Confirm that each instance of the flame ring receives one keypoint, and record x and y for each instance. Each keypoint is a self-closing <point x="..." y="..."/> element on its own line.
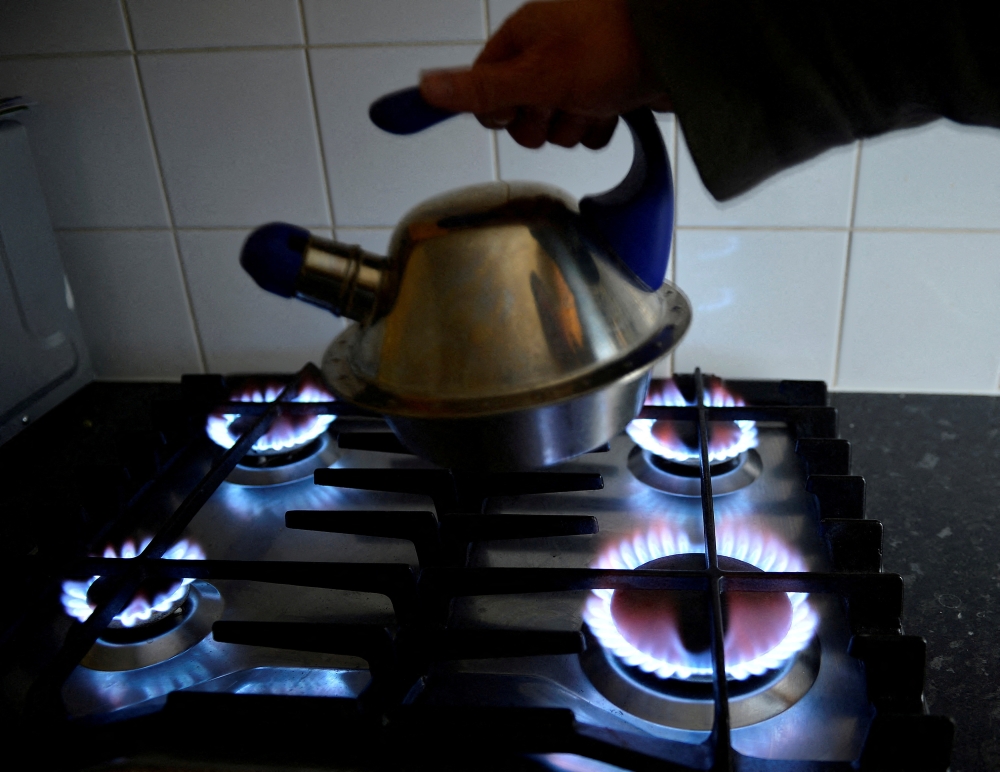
<point x="76" y="604"/>
<point x="641" y="429"/>
<point x="760" y="550"/>
<point x="218" y="424"/>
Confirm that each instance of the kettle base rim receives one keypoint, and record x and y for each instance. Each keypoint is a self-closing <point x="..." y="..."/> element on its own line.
<point x="349" y="387"/>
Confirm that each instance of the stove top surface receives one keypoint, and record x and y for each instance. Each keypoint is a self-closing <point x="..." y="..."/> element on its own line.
<point x="398" y="590"/>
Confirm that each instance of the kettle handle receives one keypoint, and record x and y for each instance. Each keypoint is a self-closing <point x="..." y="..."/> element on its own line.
<point x="635" y="218"/>
<point x="405" y="112"/>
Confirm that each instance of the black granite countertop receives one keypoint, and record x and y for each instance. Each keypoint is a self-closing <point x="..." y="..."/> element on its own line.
<point x="932" y="468"/>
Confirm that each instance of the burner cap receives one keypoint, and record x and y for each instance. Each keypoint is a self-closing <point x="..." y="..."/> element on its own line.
<point x="688" y="703"/>
<point x="683" y="478"/>
<point x="148" y="591"/>
<point x="674" y="625"/>
<point x="137" y="647"/>
<point x="290" y="466"/>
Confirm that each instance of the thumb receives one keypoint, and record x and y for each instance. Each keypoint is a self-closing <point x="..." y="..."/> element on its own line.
<point x="484" y="88"/>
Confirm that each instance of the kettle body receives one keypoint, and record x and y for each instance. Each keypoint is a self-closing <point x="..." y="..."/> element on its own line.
<point x="504" y="331"/>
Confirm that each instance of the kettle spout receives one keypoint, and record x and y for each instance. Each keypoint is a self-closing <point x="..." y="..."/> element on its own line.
<point x="342" y="278"/>
<point x="636" y="218"/>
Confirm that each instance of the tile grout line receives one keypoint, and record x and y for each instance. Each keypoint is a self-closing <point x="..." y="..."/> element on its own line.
<point x="205" y="228"/>
<point x="494" y="142"/>
<point x="847" y="265"/>
<point x="839" y="229"/>
<point x="319" y="132"/>
<point x="760" y="229"/>
<point x="495" y="154"/>
<point x="163" y="188"/>
<point x="911" y="390"/>
<point x="674" y="144"/>
<point x="229" y="49"/>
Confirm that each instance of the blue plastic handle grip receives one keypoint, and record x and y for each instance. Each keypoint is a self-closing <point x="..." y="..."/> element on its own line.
<point x="405" y="112"/>
<point x="637" y="217"/>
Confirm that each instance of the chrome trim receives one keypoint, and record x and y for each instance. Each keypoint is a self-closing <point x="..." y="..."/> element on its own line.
<point x="202" y="608"/>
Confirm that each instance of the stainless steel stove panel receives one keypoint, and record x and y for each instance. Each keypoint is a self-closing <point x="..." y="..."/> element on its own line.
<point x="243" y="523"/>
<point x="776" y="503"/>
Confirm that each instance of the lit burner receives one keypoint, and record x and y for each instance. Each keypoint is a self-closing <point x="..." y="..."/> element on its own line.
<point x="678" y="440"/>
<point x="666" y="631"/>
<point x="151" y="601"/>
<point x="287" y="431"/>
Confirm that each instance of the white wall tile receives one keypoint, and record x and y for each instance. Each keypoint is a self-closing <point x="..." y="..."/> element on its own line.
<point x="766" y="305"/>
<point x="500" y="10"/>
<point x="938" y="176"/>
<point x="237" y="137"/>
<point x="579" y="170"/>
<point x="393" y="21"/>
<point x="374" y="240"/>
<point x="814" y="194"/>
<point x="214" y="23"/>
<point x="244" y="328"/>
<point x="376" y="177"/>
<point x="130" y="298"/>
<point x="89" y="137"/>
<point x="922" y="313"/>
<point x="61" y="26"/>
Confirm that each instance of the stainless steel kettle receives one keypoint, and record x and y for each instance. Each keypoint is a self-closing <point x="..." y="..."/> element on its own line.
<point x="509" y="328"/>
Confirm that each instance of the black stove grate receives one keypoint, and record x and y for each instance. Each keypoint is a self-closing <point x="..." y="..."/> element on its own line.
<point x="380" y="728"/>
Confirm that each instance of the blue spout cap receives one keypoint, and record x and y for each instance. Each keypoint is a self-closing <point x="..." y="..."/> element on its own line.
<point x="273" y="256"/>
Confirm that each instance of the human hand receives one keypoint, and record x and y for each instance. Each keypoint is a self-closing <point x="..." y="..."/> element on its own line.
<point x="561" y="71"/>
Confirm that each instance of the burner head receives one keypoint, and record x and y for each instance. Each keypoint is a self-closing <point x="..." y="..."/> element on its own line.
<point x="287" y="433"/>
<point x="154" y="600"/>
<point x="666" y="632"/>
<point x="683" y="478"/>
<point x="159" y="639"/>
<point x="677" y="441"/>
<point x="674" y="626"/>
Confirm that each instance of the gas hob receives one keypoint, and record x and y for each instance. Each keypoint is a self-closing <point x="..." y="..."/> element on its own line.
<point x="703" y="593"/>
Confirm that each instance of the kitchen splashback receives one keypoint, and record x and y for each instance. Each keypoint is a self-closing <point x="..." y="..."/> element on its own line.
<point x="166" y="129"/>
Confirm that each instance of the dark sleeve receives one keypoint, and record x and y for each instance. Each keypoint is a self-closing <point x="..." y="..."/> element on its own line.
<point x="761" y="85"/>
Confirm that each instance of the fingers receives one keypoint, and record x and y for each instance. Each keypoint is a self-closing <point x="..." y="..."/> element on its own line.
<point x="484" y="89"/>
<point x="498" y="119"/>
<point x="505" y="44"/>
<point x="531" y="127"/>
<point x="516" y="34"/>
<point x="599" y="132"/>
<point x="567" y="130"/>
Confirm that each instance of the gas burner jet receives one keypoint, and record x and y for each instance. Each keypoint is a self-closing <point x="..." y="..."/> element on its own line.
<point x="667" y="455"/>
<point x="665" y="632"/>
<point x="288" y="432"/>
<point x="152" y="601"/>
<point x="165" y="617"/>
<point x="677" y="441"/>
<point x="295" y="444"/>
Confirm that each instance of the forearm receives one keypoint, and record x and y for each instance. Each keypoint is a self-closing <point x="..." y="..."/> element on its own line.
<point x="761" y="85"/>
